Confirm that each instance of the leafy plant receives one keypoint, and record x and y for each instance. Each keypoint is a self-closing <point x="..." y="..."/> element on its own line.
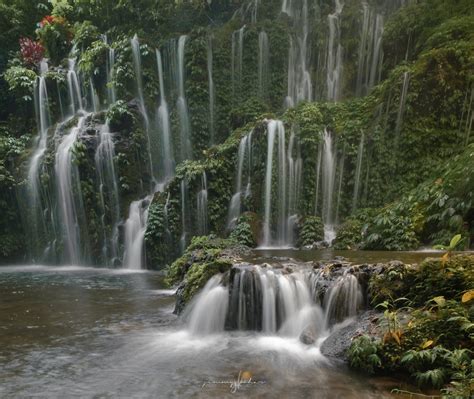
<point x="363" y="354"/>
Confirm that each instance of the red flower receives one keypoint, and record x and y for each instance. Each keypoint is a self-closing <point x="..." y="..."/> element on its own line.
<point x="31" y="52"/>
<point x="49" y="19"/>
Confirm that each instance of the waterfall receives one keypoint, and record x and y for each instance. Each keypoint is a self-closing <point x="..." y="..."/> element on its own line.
<point x="207" y="312"/>
<point x="108" y="194"/>
<point x="135" y="228"/>
<point x="237" y="60"/>
<point x="184" y="231"/>
<point x="137" y="65"/>
<point x="300" y="87"/>
<point x="182" y="105"/>
<point x="318" y="178"/>
<point x="212" y="92"/>
<point x="273" y="300"/>
<point x="341" y="179"/>
<point x="94" y="97"/>
<point x="334" y="54"/>
<point x="263" y="64"/>
<point x="235" y="203"/>
<point x="271" y="130"/>
<point x="370" y="50"/>
<point x="71" y="210"/>
<point x="110" y="66"/>
<point x="360" y="155"/>
<point x="289" y="167"/>
<point x="34" y="186"/>
<point x="402" y="104"/>
<point x="202" y="217"/>
<point x="344" y="299"/>
<point x="74" y="88"/>
<point x="328" y="171"/>
<point x="167" y="157"/>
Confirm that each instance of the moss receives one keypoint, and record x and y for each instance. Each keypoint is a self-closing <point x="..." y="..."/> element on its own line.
<point x="312" y="231"/>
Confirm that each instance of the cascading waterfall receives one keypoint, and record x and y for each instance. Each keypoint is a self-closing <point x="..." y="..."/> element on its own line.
<point x="300" y="87"/>
<point x="328" y="180"/>
<point x="69" y="200"/>
<point x="202" y="217"/>
<point x="212" y="91"/>
<point x="273" y="301"/>
<point x="167" y="157"/>
<point x="237" y="60"/>
<point x="263" y="64"/>
<point x="360" y="155"/>
<point x="289" y="167"/>
<point x="135" y="229"/>
<point x="94" y="97"/>
<point x="182" y="105"/>
<point x="370" y="50"/>
<point x="318" y="178"/>
<point x="108" y="194"/>
<point x="34" y="187"/>
<point x="334" y="54"/>
<point x="402" y="104"/>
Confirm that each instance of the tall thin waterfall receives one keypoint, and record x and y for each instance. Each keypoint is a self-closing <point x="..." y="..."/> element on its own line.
<point x="184" y="223"/>
<point x="341" y="179"/>
<point x="137" y="65"/>
<point x="212" y="91"/>
<point x="74" y="88"/>
<point x="318" y="178"/>
<point x="328" y="174"/>
<point x="94" y="97"/>
<point x="108" y="194"/>
<point x="370" y="50"/>
<point x="69" y="200"/>
<point x="273" y="301"/>
<point x="167" y="155"/>
<point x="183" y="112"/>
<point x="110" y="65"/>
<point x="402" y="104"/>
<point x="235" y="203"/>
<point x="300" y="87"/>
<point x="289" y="167"/>
<point x="202" y="218"/>
<point x="34" y="186"/>
<point x="237" y="60"/>
<point x="271" y="131"/>
<point x="334" y="54"/>
<point x="263" y="64"/>
<point x="358" y="171"/>
<point x="135" y="229"/>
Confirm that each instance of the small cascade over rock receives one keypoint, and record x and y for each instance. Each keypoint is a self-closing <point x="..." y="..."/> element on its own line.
<point x="288" y="300"/>
<point x="135" y="228"/>
<point x="328" y="180"/>
<point x="207" y="313"/>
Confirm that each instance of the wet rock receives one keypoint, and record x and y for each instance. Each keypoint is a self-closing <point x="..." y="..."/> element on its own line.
<point x="337" y="344"/>
<point x="309" y="335"/>
<point x="180" y="302"/>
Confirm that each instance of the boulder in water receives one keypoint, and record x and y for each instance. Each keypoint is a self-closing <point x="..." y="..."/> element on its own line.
<point x="309" y="335"/>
